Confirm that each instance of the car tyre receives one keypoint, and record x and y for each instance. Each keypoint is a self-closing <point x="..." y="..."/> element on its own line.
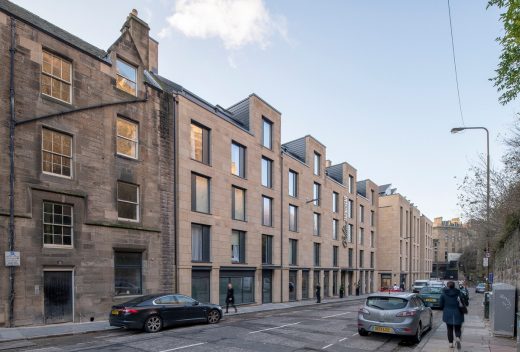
<point x="153" y="324"/>
<point x="362" y="332"/>
<point x="213" y="316"/>
<point x="418" y="334"/>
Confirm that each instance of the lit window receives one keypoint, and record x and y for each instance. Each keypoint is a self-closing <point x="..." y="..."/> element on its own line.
<point x="56" y="77"/>
<point x="56" y="153"/>
<point x="127" y="201"/>
<point x="126" y="77"/>
<point x="238" y="156"/>
<point x="127" y="138"/>
<point x="239" y="204"/>
<point x="200" y="193"/>
<point x="199" y="143"/>
<point x="57" y="224"/>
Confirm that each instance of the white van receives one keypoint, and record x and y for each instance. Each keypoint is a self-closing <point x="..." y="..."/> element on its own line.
<point x="418" y="284"/>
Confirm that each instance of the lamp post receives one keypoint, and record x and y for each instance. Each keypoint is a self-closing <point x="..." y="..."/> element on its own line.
<point x="457" y="130"/>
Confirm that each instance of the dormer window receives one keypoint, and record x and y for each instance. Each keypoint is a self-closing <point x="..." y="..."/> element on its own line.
<point x="126" y="77"/>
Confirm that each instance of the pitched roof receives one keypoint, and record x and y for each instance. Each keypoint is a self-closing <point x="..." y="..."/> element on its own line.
<point x="30" y="18"/>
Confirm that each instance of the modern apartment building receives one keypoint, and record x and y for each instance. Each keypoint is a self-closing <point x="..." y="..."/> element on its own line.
<point x="402" y="244"/>
<point x="449" y="238"/>
<point x="91" y="186"/>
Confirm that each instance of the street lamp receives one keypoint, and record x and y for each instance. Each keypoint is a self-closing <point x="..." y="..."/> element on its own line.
<point x="457" y="130"/>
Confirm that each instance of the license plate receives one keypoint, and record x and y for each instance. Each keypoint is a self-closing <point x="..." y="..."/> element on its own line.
<point x="430" y="300"/>
<point x="383" y="329"/>
<point x="115" y="312"/>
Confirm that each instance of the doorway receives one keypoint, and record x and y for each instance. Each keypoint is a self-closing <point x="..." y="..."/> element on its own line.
<point x="267" y="284"/>
<point x="58" y="296"/>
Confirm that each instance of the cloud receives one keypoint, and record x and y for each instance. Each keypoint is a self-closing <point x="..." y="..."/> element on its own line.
<point x="236" y="22"/>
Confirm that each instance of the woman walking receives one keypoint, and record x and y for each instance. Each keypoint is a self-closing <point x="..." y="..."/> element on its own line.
<point x="230" y="297"/>
<point x="453" y="317"/>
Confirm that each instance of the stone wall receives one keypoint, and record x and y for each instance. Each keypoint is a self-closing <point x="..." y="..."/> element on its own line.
<point x="507" y="262"/>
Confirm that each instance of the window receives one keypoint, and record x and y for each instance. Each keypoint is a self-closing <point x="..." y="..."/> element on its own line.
<point x="293" y="252"/>
<point x="127" y="201"/>
<point x="267" y="211"/>
<point x="361" y="236"/>
<point x="401" y="247"/>
<point x="316" y="224"/>
<point x="127" y="138"/>
<point x="238" y="160"/>
<point x="335" y="229"/>
<point x="199" y="137"/>
<point x="316" y="194"/>
<point x="200" y="243"/>
<point x="335" y="202"/>
<point x="57" y="224"/>
<point x="350" y="233"/>
<point x="267" y="249"/>
<point x="361" y="255"/>
<point x="128" y="273"/>
<point x="267" y="172"/>
<point x="126" y="77"/>
<point x="238" y="246"/>
<point x="361" y="213"/>
<point x="293" y="183"/>
<point x="350" y="257"/>
<point x="335" y="255"/>
<point x="401" y="221"/>
<point x="372" y="218"/>
<point x="293" y="218"/>
<point x="267" y="133"/>
<point x="56" y="153"/>
<point x="372" y="260"/>
<point x="317" y="254"/>
<point x="239" y="204"/>
<point x="317" y="162"/>
<point x="372" y="197"/>
<point x="372" y="239"/>
<point x="350" y="209"/>
<point x="200" y="193"/>
<point x="56" y="77"/>
<point x="350" y="184"/>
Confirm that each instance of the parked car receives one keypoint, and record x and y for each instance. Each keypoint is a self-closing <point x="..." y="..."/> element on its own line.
<point x="465" y="293"/>
<point x="481" y="288"/>
<point x="395" y="313"/>
<point x="418" y="284"/>
<point x="154" y="312"/>
<point x="431" y="296"/>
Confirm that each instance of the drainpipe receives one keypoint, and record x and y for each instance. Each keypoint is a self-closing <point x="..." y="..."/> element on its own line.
<point x="175" y="101"/>
<point x="281" y="225"/>
<point x="12" y="122"/>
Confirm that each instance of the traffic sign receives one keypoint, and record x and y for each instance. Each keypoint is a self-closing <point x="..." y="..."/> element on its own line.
<point x="488" y="255"/>
<point x="485" y="262"/>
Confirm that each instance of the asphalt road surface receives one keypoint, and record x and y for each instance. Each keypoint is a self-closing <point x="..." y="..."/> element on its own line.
<point x="327" y="327"/>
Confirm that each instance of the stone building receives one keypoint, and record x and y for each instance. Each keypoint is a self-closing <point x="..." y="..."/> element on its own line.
<point x="450" y="237"/>
<point x="92" y="186"/>
<point x="403" y="240"/>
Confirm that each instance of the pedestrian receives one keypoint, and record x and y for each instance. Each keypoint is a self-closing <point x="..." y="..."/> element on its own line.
<point x="318" y="293"/>
<point x="402" y="286"/>
<point x="395" y="288"/>
<point x="451" y="303"/>
<point x="230" y="297"/>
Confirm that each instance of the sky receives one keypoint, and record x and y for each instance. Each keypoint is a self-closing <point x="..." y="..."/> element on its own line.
<point x="373" y="80"/>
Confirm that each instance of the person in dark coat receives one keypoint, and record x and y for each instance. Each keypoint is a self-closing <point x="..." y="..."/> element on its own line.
<point x="318" y="293"/>
<point x="451" y="314"/>
<point x="230" y="297"/>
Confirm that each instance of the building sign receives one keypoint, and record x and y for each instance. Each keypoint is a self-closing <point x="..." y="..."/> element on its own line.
<point x="485" y="262"/>
<point x="454" y="257"/>
<point x="344" y="238"/>
<point x="12" y="258"/>
<point x="345" y="209"/>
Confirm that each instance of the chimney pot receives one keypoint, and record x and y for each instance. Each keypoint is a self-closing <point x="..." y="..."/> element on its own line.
<point x="134" y="12"/>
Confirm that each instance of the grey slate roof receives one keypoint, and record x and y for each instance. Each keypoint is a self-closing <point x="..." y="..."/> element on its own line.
<point x="296" y="148"/>
<point x="28" y="17"/>
<point x="362" y="188"/>
<point x="336" y="172"/>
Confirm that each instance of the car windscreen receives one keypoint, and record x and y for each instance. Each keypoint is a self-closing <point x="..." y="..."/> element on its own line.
<point x="386" y="303"/>
<point x="433" y="290"/>
<point x="420" y="283"/>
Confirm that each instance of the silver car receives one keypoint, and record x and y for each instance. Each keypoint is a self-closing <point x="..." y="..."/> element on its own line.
<point x="395" y="313"/>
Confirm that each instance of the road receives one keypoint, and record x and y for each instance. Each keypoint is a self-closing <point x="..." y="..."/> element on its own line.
<point x="327" y="327"/>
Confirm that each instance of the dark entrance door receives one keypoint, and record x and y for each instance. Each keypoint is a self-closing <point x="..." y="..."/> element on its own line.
<point x="305" y="284"/>
<point x="267" y="283"/>
<point x="350" y="282"/>
<point x="325" y="292"/>
<point x="57" y="287"/>
<point x="292" y="285"/>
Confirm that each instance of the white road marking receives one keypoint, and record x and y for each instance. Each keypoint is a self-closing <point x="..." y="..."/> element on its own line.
<point x="335" y="315"/>
<point x="276" y="327"/>
<point x="343" y="339"/>
<point x="356" y="334"/>
<point x="182" y="347"/>
<point x="327" y="346"/>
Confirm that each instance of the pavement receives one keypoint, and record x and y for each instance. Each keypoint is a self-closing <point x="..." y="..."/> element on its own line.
<point x="54" y="330"/>
<point x="476" y="334"/>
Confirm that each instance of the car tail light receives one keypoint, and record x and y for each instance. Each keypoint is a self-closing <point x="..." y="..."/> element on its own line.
<point x="129" y="311"/>
<point x="407" y="313"/>
<point x="364" y="311"/>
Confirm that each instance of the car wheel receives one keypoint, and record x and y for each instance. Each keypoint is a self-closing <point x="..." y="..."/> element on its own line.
<point x="418" y="334"/>
<point x="362" y="332"/>
<point x="153" y="324"/>
<point x="213" y="316"/>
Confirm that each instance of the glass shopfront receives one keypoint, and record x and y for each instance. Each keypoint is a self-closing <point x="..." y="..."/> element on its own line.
<point x="243" y="282"/>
